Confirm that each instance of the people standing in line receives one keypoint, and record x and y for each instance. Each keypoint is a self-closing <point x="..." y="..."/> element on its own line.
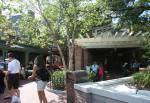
<point x="13" y="74"/>
<point x="40" y="74"/>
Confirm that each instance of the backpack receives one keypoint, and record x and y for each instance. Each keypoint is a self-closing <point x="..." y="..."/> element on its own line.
<point x="43" y="74"/>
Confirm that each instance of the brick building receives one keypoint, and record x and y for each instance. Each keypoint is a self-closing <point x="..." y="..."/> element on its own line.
<point x="111" y="51"/>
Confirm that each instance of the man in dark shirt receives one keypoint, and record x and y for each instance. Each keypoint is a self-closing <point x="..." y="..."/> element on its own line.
<point x="2" y="84"/>
<point x="125" y="68"/>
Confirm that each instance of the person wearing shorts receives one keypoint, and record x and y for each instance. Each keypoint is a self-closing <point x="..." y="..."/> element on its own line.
<point x="39" y="65"/>
<point x="13" y="74"/>
<point x="41" y="85"/>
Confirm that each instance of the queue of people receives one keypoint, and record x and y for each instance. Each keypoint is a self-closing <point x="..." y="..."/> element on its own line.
<point x="130" y="67"/>
<point x="98" y="70"/>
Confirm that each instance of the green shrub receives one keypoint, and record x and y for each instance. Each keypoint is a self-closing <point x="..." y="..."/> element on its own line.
<point x="58" y="80"/>
<point x="141" y="80"/>
<point x="92" y="76"/>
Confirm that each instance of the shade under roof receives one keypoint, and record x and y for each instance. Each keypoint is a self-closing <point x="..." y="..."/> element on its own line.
<point x="111" y="42"/>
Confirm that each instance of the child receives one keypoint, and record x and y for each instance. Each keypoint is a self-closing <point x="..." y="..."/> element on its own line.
<point x="2" y="84"/>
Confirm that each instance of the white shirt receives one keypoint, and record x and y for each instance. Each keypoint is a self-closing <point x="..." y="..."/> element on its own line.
<point x="88" y="68"/>
<point x="14" y="66"/>
<point x="95" y="68"/>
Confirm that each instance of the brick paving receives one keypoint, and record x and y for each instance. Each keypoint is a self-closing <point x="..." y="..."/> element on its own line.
<point x="28" y="94"/>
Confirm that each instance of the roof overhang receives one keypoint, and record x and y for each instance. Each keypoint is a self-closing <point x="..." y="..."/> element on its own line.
<point x="111" y="42"/>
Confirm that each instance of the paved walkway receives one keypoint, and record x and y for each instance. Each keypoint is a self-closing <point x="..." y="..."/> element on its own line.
<point x="28" y="94"/>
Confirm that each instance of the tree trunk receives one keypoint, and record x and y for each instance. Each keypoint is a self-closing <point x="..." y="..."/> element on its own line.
<point x="71" y="53"/>
<point x="62" y="56"/>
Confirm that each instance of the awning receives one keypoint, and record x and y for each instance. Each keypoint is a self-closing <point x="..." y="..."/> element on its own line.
<point x="111" y="42"/>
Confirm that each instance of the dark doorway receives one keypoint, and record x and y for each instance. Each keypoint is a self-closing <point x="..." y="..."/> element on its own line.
<point x="112" y="58"/>
<point x="32" y="56"/>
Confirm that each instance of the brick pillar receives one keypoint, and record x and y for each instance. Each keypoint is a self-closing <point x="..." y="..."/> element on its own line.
<point x="86" y="57"/>
<point x="82" y="97"/>
<point x="73" y="77"/>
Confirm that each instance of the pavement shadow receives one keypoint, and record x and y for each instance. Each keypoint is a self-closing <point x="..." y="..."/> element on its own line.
<point x="54" y="101"/>
<point x="23" y="82"/>
<point x="62" y="96"/>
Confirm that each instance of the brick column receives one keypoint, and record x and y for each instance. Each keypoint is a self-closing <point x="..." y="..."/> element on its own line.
<point x="86" y="57"/>
<point x="73" y="77"/>
<point x="82" y="97"/>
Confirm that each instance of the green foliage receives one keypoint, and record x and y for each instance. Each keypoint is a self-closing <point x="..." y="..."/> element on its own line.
<point x="6" y="30"/>
<point x="94" y="15"/>
<point x="59" y="19"/>
<point x="141" y="80"/>
<point x="146" y="48"/>
<point x="33" y="32"/>
<point x="129" y="14"/>
<point x="58" y="79"/>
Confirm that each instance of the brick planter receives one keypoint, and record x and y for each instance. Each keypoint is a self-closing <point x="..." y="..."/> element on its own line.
<point x="72" y="78"/>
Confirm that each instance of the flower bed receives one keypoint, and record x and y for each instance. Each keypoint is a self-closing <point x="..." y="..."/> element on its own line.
<point x="141" y="80"/>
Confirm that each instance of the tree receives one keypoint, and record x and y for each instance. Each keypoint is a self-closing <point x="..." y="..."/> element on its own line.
<point x="130" y="13"/>
<point x="62" y="18"/>
<point x="72" y="20"/>
<point x="61" y="21"/>
<point x="6" y="30"/>
<point x="32" y="31"/>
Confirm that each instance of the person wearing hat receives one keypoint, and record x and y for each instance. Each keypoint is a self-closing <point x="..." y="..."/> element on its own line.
<point x="13" y="74"/>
